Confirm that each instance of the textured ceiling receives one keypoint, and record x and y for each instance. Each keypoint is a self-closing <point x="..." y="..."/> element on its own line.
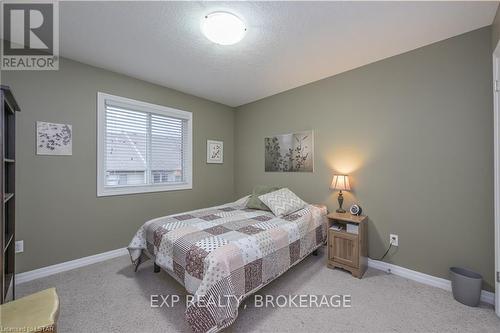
<point x="288" y="44"/>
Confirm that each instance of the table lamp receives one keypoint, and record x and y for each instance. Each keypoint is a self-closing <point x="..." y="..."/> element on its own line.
<point x="340" y="183"/>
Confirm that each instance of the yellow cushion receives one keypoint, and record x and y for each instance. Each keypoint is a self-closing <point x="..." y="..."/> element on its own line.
<point x="34" y="313"/>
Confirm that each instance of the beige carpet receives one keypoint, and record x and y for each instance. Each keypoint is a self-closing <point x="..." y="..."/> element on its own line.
<point x="110" y="297"/>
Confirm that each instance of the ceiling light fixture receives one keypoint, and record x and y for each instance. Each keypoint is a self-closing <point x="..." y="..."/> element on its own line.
<point x="223" y="28"/>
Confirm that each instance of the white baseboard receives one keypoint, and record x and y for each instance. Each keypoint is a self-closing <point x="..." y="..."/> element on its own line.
<point x="68" y="265"/>
<point x="486" y="296"/>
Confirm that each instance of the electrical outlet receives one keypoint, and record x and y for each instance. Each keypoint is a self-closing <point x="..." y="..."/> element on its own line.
<point x="394" y="240"/>
<point x="19" y="246"/>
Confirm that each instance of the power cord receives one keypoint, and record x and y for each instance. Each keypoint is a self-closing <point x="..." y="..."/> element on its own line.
<point x="382" y="258"/>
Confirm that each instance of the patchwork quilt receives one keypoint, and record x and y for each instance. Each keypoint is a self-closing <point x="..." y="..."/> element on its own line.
<point x="223" y="254"/>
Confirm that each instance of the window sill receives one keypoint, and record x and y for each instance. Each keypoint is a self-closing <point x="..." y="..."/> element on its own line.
<point x="110" y="191"/>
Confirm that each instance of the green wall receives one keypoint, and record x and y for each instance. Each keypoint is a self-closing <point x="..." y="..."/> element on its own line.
<point x="495" y="30"/>
<point x="415" y="132"/>
<point x="59" y="216"/>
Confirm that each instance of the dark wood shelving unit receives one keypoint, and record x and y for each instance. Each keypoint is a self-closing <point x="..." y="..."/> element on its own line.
<point x="9" y="107"/>
<point x="7" y="197"/>
<point x="9" y="239"/>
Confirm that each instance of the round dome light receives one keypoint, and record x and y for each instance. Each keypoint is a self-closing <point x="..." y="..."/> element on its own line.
<point x="223" y="28"/>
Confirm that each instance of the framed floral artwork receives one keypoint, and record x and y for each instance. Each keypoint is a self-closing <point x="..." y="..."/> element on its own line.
<point x="215" y="151"/>
<point x="54" y="139"/>
<point x="292" y="152"/>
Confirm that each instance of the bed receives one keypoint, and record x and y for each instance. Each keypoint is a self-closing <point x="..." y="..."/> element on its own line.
<point x="227" y="253"/>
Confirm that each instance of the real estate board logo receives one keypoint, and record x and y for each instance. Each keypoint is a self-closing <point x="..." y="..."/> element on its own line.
<point x="30" y="35"/>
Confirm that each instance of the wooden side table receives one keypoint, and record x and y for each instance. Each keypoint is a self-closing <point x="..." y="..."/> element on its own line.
<point x="348" y="250"/>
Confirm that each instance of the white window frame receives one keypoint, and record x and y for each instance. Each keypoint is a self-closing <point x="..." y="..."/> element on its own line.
<point x="103" y="190"/>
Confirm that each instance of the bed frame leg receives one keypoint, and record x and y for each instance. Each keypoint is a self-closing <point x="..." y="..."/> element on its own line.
<point x="137" y="264"/>
<point x="315" y="252"/>
<point x="156" y="268"/>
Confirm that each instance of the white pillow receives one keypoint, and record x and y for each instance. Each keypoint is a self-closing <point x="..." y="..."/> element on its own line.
<point x="282" y="202"/>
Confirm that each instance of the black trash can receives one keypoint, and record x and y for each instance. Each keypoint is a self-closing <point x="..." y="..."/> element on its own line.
<point x="466" y="286"/>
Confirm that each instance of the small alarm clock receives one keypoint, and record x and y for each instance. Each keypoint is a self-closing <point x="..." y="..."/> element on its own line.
<point x="355" y="209"/>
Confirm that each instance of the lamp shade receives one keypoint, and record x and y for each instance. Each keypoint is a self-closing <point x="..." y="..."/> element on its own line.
<point x="340" y="183"/>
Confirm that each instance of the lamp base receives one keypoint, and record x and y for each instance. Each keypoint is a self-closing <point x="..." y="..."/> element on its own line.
<point x="341" y="201"/>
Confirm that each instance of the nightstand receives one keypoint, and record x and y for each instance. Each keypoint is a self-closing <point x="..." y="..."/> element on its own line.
<point x="348" y="247"/>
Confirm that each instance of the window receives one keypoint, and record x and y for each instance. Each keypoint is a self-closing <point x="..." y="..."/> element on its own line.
<point x="142" y="147"/>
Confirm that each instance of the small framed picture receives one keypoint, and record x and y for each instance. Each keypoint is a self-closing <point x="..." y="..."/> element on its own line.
<point x="54" y="139"/>
<point x="215" y="151"/>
